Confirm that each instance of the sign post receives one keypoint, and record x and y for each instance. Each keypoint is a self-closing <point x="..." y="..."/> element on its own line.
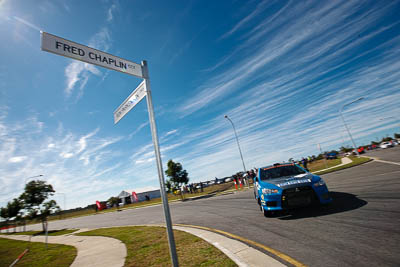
<point x="66" y="48"/>
<point x="171" y="240"/>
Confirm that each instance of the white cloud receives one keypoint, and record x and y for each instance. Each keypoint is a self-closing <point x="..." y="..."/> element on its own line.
<point x="78" y="72"/>
<point x="66" y="155"/>
<point x="27" y="23"/>
<point x="17" y="159"/>
<point x="171" y="132"/>
<point x="110" y="12"/>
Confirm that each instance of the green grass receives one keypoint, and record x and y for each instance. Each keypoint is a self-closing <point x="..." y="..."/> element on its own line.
<point x="355" y="161"/>
<point x="320" y="164"/>
<point x="38" y="255"/>
<point x="50" y="233"/>
<point x="148" y="246"/>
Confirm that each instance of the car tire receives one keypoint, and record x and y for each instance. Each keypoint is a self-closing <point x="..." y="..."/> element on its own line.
<point x="266" y="213"/>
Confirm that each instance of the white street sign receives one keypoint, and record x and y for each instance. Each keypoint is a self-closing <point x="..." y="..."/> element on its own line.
<point x="130" y="102"/>
<point x="63" y="47"/>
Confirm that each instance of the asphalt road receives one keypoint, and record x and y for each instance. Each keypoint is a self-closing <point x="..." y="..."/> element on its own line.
<point x="360" y="228"/>
<point x="390" y="154"/>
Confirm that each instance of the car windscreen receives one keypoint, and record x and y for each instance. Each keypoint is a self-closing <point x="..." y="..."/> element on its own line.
<point x="280" y="171"/>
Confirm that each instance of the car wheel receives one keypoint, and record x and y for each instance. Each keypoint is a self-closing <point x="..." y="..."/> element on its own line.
<point x="267" y="213"/>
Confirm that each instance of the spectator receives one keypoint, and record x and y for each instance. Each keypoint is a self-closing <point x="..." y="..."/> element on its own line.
<point x="304" y="161"/>
<point x="252" y="175"/>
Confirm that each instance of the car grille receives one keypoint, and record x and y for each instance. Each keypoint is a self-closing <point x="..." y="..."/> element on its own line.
<point x="297" y="197"/>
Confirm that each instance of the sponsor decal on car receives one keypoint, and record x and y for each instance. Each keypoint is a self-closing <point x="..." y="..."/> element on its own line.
<point x="298" y="181"/>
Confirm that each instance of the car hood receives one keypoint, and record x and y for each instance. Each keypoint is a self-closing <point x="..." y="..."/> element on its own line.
<point x="291" y="181"/>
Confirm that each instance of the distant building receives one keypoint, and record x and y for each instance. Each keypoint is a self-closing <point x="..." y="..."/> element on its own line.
<point x="127" y="196"/>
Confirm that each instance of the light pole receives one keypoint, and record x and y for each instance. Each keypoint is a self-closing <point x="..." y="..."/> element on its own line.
<point x="345" y="125"/>
<point x="240" y="151"/>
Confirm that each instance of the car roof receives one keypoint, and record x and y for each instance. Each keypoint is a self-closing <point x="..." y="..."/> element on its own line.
<point x="275" y="165"/>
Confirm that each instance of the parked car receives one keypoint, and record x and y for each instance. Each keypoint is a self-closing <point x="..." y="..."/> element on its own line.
<point x="287" y="185"/>
<point x="331" y="155"/>
<point x="361" y="150"/>
<point x="385" y="145"/>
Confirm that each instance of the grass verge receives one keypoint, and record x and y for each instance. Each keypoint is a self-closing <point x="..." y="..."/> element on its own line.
<point x="320" y="164"/>
<point x="56" y="254"/>
<point x="355" y="161"/>
<point x="148" y="246"/>
<point x="50" y="233"/>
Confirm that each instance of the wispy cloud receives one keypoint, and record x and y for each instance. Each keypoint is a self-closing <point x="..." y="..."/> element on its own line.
<point x="110" y="11"/>
<point x="27" y="23"/>
<point x="78" y="73"/>
<point x="71" y="162"/>
<point x="290" y="80"/>
<point x="258" y="9"/>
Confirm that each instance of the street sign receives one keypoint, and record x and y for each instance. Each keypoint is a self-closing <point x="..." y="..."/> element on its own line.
<point x="63" y="47"/>
<point x="66" y="48"/>
<point x="130" y="102"/>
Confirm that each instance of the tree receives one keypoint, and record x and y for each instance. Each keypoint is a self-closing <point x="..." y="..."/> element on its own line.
<point x="177" y="175"/>
<point x="4" y="215"/>
<point x="13" y="208"/>
<point x="33" y="198"/>
<point x="168" y="184"/>
<point x="386" y="139"/>
<point x="346" y="149"/>
<point x="396" y="135"/>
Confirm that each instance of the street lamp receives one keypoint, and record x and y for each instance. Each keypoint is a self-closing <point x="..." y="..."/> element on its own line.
<point x="345" y="125"/>
<point x="240" y="151"/>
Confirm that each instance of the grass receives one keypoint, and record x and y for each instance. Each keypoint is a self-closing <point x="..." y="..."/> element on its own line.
<point x="148" y="246"/>
<point x="50" y="233"/>
<point x="320" y="164"/>
<point x="38" y="255"/>
<point x="355" y="161"/>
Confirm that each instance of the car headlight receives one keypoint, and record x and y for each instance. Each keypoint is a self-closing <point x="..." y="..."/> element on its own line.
<point x="268" y="191"/>
<point x="319" y="183"/>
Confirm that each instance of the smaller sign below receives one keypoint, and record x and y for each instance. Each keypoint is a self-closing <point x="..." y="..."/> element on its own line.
<point x="130" y="102"/>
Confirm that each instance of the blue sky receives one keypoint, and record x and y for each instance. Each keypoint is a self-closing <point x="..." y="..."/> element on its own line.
<point x="280" y="70"/>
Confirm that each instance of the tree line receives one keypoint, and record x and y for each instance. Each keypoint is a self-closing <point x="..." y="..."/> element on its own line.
<point x="31" y="204"/>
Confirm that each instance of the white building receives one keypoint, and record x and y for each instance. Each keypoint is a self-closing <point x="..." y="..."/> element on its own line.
<point x="127" y="196"/>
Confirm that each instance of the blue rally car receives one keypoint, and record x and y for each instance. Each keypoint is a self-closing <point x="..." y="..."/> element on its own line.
<point x="287" y="185"/>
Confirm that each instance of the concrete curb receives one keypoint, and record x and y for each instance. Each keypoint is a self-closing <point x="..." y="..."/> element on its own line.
<point x="242" y="254"/>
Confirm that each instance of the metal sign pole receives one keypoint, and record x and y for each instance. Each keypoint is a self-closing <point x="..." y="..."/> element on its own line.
<point x="170" y="233"/>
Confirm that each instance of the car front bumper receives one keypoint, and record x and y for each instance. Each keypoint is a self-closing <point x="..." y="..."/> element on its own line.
<point x="296" y="197"/>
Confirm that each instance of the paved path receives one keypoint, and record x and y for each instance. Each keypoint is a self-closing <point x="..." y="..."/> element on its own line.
<point x="345" y="161"/>
<point x="92" y="250"/>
